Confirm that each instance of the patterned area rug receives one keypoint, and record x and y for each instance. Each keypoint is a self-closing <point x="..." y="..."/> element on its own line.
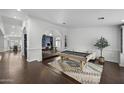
<point x="90" y="74"/>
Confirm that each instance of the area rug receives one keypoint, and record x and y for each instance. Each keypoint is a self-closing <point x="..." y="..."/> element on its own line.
<point x="90" y="74"/>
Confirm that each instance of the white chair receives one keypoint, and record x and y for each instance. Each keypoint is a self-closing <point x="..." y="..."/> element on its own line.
<point x="91" y="56"/>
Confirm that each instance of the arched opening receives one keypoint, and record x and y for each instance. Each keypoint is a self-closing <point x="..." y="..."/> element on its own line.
<point x="58" y="42"/>
<point x="51" y="44"/>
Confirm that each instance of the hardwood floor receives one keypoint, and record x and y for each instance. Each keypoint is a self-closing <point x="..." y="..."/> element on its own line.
<point x="111" y="73"/>
<point x="14" y="69"/>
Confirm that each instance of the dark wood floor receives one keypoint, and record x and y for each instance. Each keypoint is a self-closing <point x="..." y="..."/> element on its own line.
<point x="14" y="69"/>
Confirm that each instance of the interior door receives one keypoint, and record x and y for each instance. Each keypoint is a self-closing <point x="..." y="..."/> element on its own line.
<point x="25" y="45"/>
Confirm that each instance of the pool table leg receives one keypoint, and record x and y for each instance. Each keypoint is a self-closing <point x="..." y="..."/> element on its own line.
<point x="81" y="65"/>
<point x="62" y="58"/>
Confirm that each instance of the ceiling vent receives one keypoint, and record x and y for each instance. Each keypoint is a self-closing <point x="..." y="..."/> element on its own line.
<point x="64" y="23"/>
<point x="101" y="18"/>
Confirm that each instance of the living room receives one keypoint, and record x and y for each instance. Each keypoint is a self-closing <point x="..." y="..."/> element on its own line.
<point x="73" y="30"/>
<point x="68" y="42"/>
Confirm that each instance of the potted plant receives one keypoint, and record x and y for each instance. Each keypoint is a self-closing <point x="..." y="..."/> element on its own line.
<point x="101" y="44"/>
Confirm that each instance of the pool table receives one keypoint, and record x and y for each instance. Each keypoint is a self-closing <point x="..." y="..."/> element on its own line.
<point x="75" y="56"/>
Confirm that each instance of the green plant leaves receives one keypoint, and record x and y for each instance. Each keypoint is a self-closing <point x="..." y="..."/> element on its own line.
<point x="102" y="43"/>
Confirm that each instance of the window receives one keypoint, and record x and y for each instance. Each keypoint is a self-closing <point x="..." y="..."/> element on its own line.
<point x="58" y="42"/>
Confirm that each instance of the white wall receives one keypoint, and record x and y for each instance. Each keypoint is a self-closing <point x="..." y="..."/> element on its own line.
<point x="1" y="25"/>
<point x="83" y="39"/>
<point x="1" y="35"/>
<point x="35" y="29"/>
<point x="1" y="42"/>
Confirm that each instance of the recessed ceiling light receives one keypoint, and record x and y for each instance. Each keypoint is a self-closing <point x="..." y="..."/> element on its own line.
<point x="15" y="17"/>
<point x="13" y="26"/>
<point x="122" y="20"/>
<point x="50" y="34"/>
<point x="18" y="9"/>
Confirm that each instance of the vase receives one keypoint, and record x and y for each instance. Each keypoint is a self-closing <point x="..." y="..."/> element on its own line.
<point x="101" y="59"/>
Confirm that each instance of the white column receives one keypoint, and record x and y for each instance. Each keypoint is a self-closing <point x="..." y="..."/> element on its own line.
<point x="34" y="42"/>
<point x="34" y="49"/>
<point x="6" y="45"/>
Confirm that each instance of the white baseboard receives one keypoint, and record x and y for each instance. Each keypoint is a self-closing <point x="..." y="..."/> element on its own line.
<point x="34" y="54"/>
<point x="3" y="51"/>
<point x="121" y="65"/>
<point x="31" y="60"/>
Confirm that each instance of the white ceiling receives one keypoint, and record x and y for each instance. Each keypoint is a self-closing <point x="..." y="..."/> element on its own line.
<point x="12" y="29"/>
<point x="11" y="21"/>
<point x="79" y="17"/>
<point x="72" y="17"/>
<point x="12" y="13"/>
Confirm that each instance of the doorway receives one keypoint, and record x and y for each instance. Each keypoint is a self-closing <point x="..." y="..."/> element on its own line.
<point x="25" y="46"/>
<point x="48" y="47"/>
